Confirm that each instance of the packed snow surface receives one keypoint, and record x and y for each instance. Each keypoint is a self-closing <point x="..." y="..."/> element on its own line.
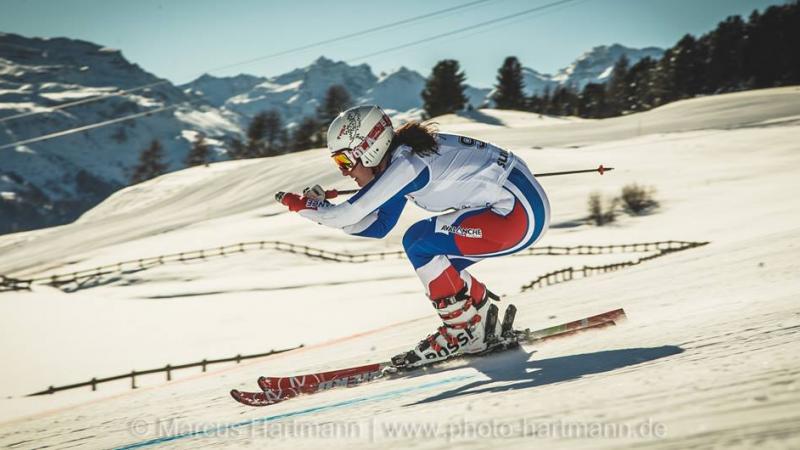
<point x="707" y="357"/>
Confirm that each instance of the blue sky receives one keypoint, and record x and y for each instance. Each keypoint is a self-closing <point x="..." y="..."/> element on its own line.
<point x="182" y="39"/>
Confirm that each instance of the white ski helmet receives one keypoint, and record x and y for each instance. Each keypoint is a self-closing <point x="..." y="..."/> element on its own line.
<point x="365" y="131"/>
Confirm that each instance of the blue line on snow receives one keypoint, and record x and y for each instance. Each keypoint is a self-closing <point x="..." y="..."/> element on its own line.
<point x="303" y="412"/>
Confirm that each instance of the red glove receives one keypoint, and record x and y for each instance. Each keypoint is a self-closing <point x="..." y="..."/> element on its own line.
<point x="295" y="202"/>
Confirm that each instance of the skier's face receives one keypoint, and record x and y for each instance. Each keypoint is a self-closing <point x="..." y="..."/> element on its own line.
<point x="362" y="175"/>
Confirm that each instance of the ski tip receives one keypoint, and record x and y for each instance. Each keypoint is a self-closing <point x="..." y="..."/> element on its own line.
<point x="236" y="395"/>
<point x="264" y="384"/>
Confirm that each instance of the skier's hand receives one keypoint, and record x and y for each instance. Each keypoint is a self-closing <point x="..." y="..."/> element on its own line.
<point x="318" y="193"/>
<point x="295" y="202"/>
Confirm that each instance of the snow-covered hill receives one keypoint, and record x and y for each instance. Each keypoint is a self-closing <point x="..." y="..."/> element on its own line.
<point x="708" y="355"/>
<point x="53" y="181"/>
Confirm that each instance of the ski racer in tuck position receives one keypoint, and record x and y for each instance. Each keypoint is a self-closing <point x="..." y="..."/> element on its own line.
<point x="497" y="208"/>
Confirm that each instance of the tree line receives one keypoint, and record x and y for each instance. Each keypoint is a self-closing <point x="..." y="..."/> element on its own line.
<point x="737" y="55"/>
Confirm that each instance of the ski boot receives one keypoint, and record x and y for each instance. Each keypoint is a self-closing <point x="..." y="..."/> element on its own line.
<point x="469" y="328"/>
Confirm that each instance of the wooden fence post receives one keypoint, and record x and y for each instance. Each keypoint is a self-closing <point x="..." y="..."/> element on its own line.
<point x="94" y="384"/>
<point x="133" y="379"/>
<point x="203" y="363"/>
<point x="169" y="372"/>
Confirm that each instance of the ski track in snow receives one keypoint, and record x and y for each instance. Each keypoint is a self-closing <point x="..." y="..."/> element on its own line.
<point x="707" y="357"/>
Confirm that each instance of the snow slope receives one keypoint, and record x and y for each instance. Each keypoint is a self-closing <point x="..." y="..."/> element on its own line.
<point x="707" y="357"/>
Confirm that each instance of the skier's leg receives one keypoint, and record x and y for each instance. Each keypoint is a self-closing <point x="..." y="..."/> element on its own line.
<point x="442" y="247"/>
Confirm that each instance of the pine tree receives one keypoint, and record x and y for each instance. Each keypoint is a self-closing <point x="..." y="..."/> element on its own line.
<point x="535" y="104"/>
<point x="336" y="100"/>
<point x="663" y="89"/>
<point x="444" y="89"/>
<point x="237" y="149"/>
<point x="509" y="89"/>
<point x="151" y="163"/>
<point x="771" y="57"/>
<point x="266" y="136"/>
<point x="725" y="71"/>
<point x="703" y="52"/>
<point x="199" y="153"/>
<point x="592" y="101"/>
<point x="686" y="67"/>
<point x="617" y="89"/>
<point x="256" y="132"/>
<point x="564" y="102"/>
<point x="305" y="135"/>
<point x="544" y="101"/>
<point x="640" y="86"/>
<point x="274" y="134"/>
<point x="757" y="51"/>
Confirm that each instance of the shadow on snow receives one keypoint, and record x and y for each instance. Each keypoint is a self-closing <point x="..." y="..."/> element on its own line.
<point x="516" y="367"/>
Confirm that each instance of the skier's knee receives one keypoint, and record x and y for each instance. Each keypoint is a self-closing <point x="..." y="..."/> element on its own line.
<point x="414" y="234"/>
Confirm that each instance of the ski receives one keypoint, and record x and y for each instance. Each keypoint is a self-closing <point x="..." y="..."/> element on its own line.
<point x="277" y="389"/>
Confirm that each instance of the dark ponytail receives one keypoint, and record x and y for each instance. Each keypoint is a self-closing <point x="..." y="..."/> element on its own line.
<point x="421" y="137"/>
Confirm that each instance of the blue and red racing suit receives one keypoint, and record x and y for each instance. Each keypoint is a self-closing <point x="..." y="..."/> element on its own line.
<point x="500" y="209"/>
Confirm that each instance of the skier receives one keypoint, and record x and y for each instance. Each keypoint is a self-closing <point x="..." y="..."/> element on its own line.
<point x="496" y="208"/>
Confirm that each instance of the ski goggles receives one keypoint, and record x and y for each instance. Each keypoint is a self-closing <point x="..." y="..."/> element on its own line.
<point x="344" y="159"/>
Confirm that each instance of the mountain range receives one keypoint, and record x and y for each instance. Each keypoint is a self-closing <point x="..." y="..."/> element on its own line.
<point x="298" y="93"/>
<point x="53" y="181"/>
<point x="594" y="66"/>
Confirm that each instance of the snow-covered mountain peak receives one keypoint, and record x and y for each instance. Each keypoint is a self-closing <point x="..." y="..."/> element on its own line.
<point x="55" y="180"/>
<point x="397" y="91"/>
<point x="402" y="72"/>
<point x="594" y="66"/>
<point x="217" y="90"/>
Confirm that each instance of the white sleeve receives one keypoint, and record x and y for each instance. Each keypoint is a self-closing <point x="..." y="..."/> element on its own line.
<point x="401" y="177"/>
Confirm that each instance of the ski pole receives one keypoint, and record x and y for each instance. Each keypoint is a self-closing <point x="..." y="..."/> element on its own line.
<point x="601" y="170"/>
<point x="333" y="193"/>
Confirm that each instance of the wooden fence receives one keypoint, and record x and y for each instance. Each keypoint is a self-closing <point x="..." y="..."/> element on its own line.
<point x="570" y="273"/>
<point x="660" y="248"/>
<point x="8" y="283"/>
<point x="168" y="369"/>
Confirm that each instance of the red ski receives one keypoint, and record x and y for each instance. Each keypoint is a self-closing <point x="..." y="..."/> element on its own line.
<point x="278" y="389"/>
<point x="335" y="378"/>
